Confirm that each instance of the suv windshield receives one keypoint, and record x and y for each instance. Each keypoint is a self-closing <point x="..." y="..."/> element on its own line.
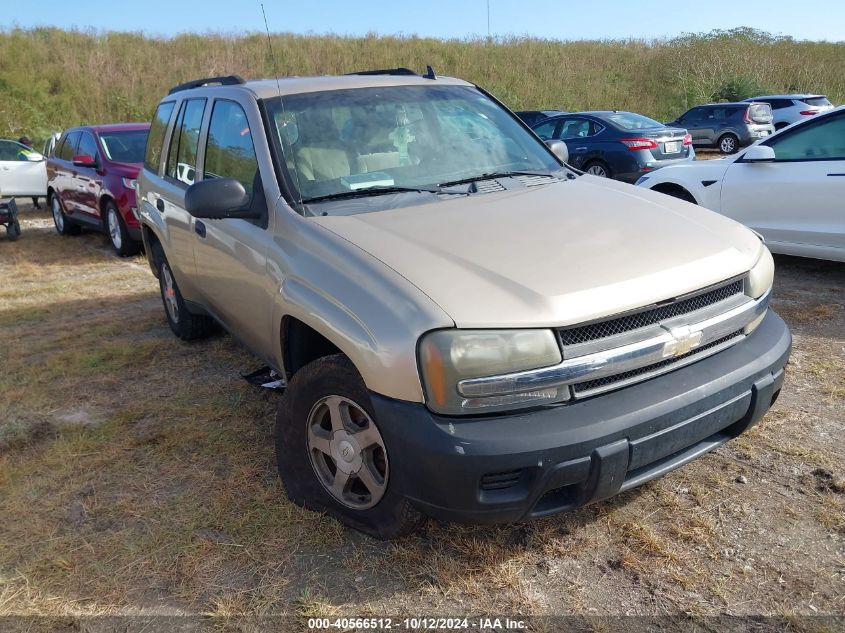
<point x="124" y="147"/>
<point x="398" y="137"/>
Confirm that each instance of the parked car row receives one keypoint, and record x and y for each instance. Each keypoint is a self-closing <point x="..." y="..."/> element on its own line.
<point x="88" y="177"/>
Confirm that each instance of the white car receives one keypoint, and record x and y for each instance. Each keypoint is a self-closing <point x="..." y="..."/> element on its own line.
<point x="21" y="177"/>
<point x="789" y="187"/>
<point x="788" y="109"/>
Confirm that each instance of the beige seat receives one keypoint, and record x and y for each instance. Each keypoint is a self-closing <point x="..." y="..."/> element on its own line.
<point x="378" y="161"/>
<point x="322" y="163"/>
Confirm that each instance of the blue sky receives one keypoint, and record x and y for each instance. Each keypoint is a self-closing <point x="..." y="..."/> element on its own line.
<point x="560" y="19"/>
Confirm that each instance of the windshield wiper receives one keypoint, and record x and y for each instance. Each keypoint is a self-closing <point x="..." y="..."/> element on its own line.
<point x="498" y="174"/>
<point x="364" y="192"/>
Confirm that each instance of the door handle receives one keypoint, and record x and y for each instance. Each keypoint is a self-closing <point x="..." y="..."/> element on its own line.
<point x="580" y="149"/>
<point x="199" y="228"/>
<point x="160" y="204"/>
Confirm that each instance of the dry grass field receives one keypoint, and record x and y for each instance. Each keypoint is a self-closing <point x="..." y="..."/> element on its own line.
<point x="138" y="477"/>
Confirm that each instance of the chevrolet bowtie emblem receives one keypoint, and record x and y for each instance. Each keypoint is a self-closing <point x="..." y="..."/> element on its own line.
<point x="684" y="341"/>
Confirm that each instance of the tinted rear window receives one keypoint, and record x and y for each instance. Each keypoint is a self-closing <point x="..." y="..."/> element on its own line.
<point x="152" y="158"/>
<point x="632" y="121"/>
<point x="760" y="113"/>
<point x="819" y="102"/>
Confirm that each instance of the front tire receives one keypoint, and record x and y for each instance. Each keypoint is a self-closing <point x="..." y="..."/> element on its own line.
<point x="331" y="454"/>
<point x="63" y="225"/>
<point x="598" y="168"/>
<point x="185" y="325"/>
<point x="728" y="144"/>
<point x="13" y="230"/>
<point x="122" y="244"/>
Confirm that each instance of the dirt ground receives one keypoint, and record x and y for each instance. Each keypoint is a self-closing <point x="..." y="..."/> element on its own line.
<point x="137" y="477"/>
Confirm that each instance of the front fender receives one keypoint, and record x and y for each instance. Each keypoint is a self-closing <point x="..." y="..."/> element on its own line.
<point x="365" y="308"/>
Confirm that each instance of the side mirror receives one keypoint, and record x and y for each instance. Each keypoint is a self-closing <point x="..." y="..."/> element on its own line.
<point x="559" y="149"/>
<point x="35" y="157"/>
<point x="219" y="198"/>
<point x="759" y="154"/>
<point x="84" y="160"/>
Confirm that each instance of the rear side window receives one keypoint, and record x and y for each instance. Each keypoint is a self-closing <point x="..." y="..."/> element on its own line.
<point x="155" y="140"/>
<point x="68" y="148"/>
<point x="819" y="102"/>
<point x="184" y="142"/>
<point x="229" y="151"/>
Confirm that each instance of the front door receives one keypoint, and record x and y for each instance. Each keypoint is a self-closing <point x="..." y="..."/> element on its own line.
<point x="797" y="199"/>
<point x="230" y="254"/>
<point x="21" y="177"/>
<point x="88" y="181"/>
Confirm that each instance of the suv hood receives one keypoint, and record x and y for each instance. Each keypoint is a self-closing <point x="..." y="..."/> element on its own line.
<point x="555" y="254"/>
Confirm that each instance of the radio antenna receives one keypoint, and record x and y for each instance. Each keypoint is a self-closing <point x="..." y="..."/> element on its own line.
<point x="281" y="105"/>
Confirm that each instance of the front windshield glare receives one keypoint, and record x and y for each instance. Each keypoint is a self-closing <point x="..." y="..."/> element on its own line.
<point x="339" y="141"/>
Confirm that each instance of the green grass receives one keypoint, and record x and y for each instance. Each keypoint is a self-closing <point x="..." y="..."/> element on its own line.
<point x="51" y="79"/>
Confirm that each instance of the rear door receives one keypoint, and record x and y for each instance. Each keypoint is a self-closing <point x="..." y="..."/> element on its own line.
<point x="231" y="254"/>
<point x="694" y="121"/>
<point x="797" y="199"/>
<point x="88" y="181"/>
<point x="20" y="177"/>
<point x="178" y="174"/>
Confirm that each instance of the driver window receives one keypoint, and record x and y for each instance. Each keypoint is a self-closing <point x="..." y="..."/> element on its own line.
<point x="229" y="151"/>
<point x="824" y="140"/>
<point x="546" y="131"/>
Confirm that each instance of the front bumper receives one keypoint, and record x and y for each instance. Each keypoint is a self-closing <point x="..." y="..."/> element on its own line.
<point x="509" y="467"/>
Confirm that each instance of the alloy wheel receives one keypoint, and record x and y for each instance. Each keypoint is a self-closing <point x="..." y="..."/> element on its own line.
<point x="114" y="229"/>
<point x="597" y="170"/>
<point x="168" y="292"/>
<point x="347" y="452"/>
<point x="58" y="216"/>
<point x="728" y="145"/>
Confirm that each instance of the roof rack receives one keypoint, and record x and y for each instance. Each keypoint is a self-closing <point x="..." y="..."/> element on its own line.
<point x="429" y="72"/>
<point x="228" y="80"/>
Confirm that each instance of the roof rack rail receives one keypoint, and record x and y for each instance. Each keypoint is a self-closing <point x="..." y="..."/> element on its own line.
<point x="429" y="73"/>
<point x="227" y="80"/>
<point x="385" y="71"/>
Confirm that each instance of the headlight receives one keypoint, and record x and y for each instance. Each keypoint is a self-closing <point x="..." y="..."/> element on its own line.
<point x="761" y="276"/>
<point x="758" y="283"/>
<point x="448" y="356"/>
<point x="640" y="180"/>
<point x="130" y="183"/>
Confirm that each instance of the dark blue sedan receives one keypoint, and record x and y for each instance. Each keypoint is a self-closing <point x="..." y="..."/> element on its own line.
<point x="615" y="144"/>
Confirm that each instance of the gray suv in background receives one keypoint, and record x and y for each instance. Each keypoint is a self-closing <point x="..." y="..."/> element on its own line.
<point x="787" y="109"/>
<point x="727" y="126"/>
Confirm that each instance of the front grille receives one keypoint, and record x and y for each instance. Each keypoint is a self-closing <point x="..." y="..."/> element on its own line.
<point x="607" y="381"/>
<point x="650" y="316"/>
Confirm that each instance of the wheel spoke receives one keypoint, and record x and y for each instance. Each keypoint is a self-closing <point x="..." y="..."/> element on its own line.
<point x="341" y="480"/>
<point x="320" y="442"/>
<point x="368" y="437"/>
<point x="373" y="482"/>
<point x="337" y="413"/>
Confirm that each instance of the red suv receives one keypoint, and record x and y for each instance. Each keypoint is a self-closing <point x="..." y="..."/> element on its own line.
<point x="91" y="182"/>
